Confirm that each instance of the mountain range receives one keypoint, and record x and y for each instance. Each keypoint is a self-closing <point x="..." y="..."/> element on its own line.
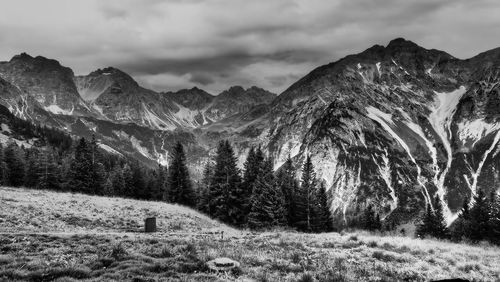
<point x="392" y="127"/>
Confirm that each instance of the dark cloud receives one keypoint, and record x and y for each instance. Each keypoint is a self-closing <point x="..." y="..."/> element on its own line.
<point x="202" y="78"/>
<point x="213" y="44"/>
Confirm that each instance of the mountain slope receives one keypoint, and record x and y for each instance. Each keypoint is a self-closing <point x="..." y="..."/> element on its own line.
<point x="393" y="127"/>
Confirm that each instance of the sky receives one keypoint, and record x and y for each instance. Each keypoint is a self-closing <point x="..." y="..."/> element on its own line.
<point x="213" y="44"/>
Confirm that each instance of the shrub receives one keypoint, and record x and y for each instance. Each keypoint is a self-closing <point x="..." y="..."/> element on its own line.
<point x="119" y="252"/>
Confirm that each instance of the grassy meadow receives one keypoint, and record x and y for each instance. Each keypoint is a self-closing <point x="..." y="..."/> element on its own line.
<point x="47" y="236"/>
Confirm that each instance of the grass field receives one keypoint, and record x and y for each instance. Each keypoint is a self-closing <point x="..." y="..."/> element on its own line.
<point x="47" y="236"/>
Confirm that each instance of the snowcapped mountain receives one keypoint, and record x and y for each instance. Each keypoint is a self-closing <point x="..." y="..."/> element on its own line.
<point x="393" y="126"/>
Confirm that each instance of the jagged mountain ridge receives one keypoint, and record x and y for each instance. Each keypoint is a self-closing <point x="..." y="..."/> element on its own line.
<point x="127" y="118"/>
<point x="392" y="126"/>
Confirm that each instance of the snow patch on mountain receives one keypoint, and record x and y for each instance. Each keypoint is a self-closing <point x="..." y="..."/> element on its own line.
<point x="475" y="130"/>
<point x="475" y="174"/>
<point x="154" y="121"/>
<point x="186" y="116"/>
<point x="5" y="128"/>
<point x="384" y="169"/>
<point x="385" y="120"/>
<point x="109" y="149"/>
<point x="55" y="109"/>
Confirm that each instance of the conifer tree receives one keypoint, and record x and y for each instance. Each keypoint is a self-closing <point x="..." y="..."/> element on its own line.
<point x="31" y="178"/>
<point x="461" y="227"/>
<point x="80" y="173"/>
<point x="479" y="217"/>
<point x="46" y="169"/>
<point x="494" y="223"/>
<point x="205" y="186"/>
<point x="226" y="201"/>
<point x="323" y="221"/>
<point x="14" y="160"/>
<point x="128" y="181"/>
<point x="108" y="187"/>
<point x="252" y="168"/>
<point x="439" y="230"/>
<point x="118" y="182"/>
<point x="286" y="180"/>
<point x="159" y="183"/>
<point x="178" y="181"/>
<point x="267" y="209"/>
<point x="3" y="166"/>
<point x="368" y="220"/>
<point x="425" y="228"/>
<point x="306" y="197"/>
<point x="98" y="173"/>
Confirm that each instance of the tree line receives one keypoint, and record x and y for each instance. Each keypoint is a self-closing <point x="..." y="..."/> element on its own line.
<point x="258" y="197"/>
<point x="477" y="222"/>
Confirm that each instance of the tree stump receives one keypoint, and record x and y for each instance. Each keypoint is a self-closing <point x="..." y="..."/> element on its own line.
<point x="150" y="224"/>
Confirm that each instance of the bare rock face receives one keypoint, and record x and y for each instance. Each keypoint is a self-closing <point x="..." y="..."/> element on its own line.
<point x="222" y="264"/>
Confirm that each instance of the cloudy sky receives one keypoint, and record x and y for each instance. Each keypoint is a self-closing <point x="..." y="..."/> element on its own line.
<point x="212" y="44"/>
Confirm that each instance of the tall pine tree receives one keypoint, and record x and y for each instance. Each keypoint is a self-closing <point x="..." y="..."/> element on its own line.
<point x="286" y="180"/>
<point x="178" y="181"/>
<point x="305" y="200"/>
<point x="226" y="200"/>
<point x="3" y="167"/>
<point x="14" y="160"/>
<point x="81" y="170"/>
<point x="252" y="169"/>
<point x="267" y="209"/>
<point x="480" y="217"/>
<point x="204" y="195"/>
<point x="323" y="221"/>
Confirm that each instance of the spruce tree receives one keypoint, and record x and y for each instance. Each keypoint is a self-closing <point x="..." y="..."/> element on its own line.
<point x="479" y="217"/>
<point x="32" y="158"/>
<point x="226" y="201"/>
<point x="428" y="221"/>
<point x="98" y="173"/>
<point x="160" y="179"/>
<point x="3" y="167"/>
<point x="286" y="180"/>
<point x="494" y="223"/>
<point x="439" y="230"/>
<point x="323" y="221"/>
<point x="461" y="226"/>
<point x="267" y="209"/>
<point x="252" y="168"/>
<point x="178" y="181"/>
<point x="368" y="219"/>
<point x="14" y="160"/>
<point x="305" y="199"/>
<point x="80" y="173"/>
<point x="47" y="171"/>
<point x="118" y="182"/>
<point x="205" y="186"/>
<point x="108" y="187"/>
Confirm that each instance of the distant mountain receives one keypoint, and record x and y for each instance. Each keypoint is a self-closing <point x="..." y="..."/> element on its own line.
<point x="393" y="126"/>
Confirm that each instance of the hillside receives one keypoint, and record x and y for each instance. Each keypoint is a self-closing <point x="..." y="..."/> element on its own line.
<point x="48" y="235"/>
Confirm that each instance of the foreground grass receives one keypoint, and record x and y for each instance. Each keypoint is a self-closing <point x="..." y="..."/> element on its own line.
<point x="113" y="253"/>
